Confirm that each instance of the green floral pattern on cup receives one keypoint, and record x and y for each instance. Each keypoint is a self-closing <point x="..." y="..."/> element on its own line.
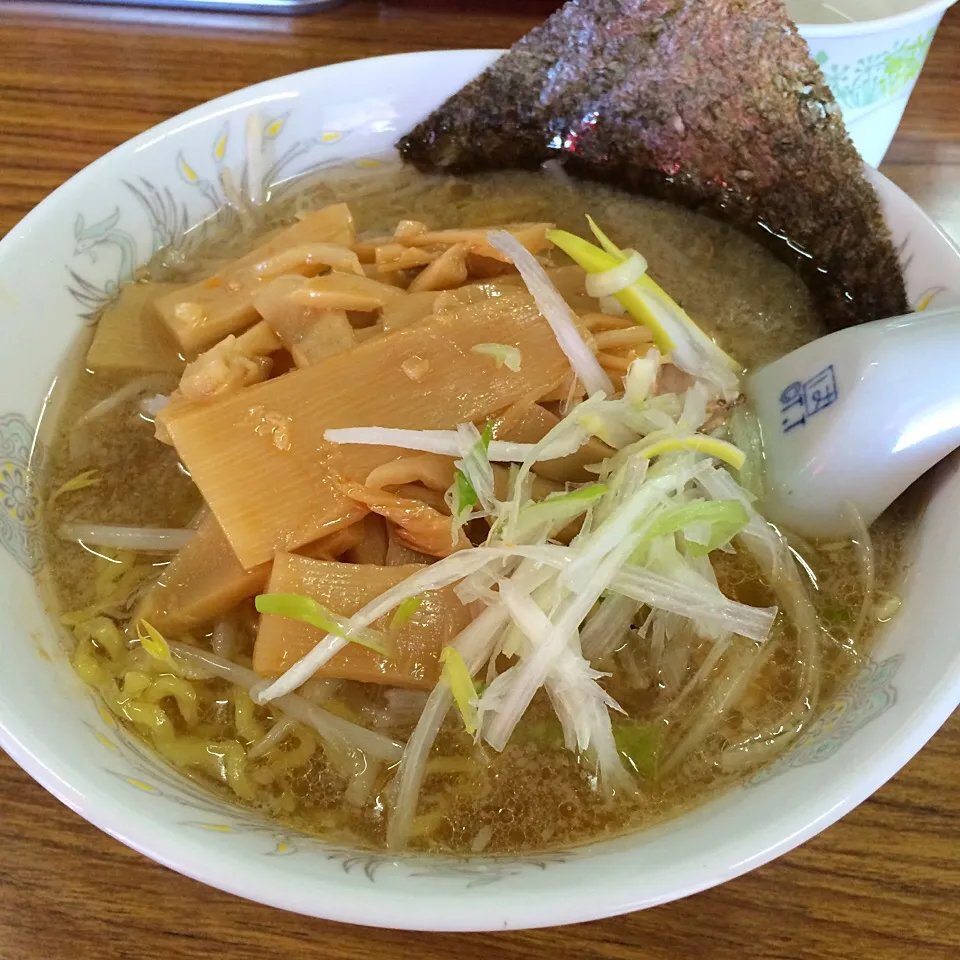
<point x="876" y="77"/>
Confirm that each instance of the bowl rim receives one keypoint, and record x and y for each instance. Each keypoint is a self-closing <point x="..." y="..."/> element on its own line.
<point x="394" y="910"/>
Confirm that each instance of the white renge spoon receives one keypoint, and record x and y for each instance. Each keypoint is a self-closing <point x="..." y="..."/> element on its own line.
<point x="857" y="416"/>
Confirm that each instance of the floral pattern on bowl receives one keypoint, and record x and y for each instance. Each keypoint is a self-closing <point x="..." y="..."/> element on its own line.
<point x="20" y="516"/>
<point x="219" y="189"/>
<point x="870" y="694"/>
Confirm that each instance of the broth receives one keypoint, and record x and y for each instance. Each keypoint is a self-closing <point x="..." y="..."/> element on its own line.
<point x="534" y="795"/>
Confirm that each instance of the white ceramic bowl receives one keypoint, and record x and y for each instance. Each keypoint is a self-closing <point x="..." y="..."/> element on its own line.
<point x="872" y="67"/>
<point x="72" y="251"/>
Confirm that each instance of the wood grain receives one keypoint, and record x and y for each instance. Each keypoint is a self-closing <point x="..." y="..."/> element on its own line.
<point x="882" y="883"/>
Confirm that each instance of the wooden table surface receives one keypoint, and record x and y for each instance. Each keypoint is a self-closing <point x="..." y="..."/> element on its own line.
<point x="882" y="883"/>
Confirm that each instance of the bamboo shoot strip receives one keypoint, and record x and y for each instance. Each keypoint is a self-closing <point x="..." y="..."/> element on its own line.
<point x="570" y="281"/>
<point x="205" y="580"/>
<point x="308" y="333"/>
<point x="205" y="312"/>
<point x="529" y="423"/>
<point x="130" y="336"/>
<point x="398" y="553"/>
<point x="405" y="311"/>
<point x="259" y="457"/>
<point x="420" y="526"/>
<point x="394" y="256"/>
<point x="345" y="588"/>
<point x="533" y="236"/>
<point x="330" y="333"/>
<point x="446" y="272"/>
<point x="231" y="364"/>
<point x="345" y="291"/>
<point x="371" y="548"/>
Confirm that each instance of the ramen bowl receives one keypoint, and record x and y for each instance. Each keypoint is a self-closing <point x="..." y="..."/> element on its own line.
<point x="872" y="67"/>
<point x="72" y="252"/>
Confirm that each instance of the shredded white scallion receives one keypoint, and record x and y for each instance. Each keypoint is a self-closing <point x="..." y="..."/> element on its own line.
<point x="865" y="560"/>
<point x="328" y="725"/>
<point x="151" y="406"/>
<point x="623" y="275"/>
<point x="475" y="464"/>
<point x="612" y="307"/>
<point x="556" y="312"/>
<point x="149" y="383"/>
<point x="147" y="539"/>
<point x="254" y="166"/>
<point x="448" y="443"/>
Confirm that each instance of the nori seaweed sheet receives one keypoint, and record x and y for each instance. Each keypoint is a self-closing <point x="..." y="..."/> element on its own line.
<point x="713" y="104"/>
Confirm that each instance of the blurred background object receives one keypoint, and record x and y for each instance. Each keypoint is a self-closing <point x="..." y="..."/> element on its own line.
<point x="225" y="6"/>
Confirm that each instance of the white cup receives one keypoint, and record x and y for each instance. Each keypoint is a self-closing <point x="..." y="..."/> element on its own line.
<point x="872" y="66"/>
